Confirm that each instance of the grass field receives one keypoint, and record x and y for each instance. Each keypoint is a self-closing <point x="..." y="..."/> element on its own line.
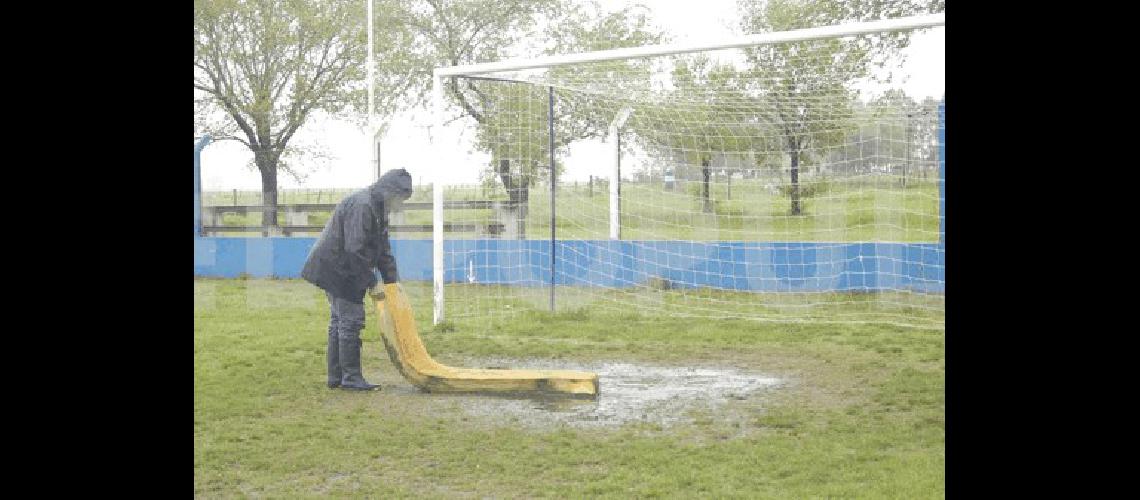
<point x="861" y="413"/>
<point x="877" y="209"/>
<point x="486" y="305"/>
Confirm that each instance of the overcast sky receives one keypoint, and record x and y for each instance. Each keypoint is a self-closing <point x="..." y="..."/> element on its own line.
<point x="406" y="145"/>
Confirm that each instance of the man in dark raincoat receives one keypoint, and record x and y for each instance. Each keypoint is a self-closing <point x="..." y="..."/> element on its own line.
<point x="353" y="244"/>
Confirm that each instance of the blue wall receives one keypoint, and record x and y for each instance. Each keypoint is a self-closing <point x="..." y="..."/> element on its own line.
<point x="793" y="266"/>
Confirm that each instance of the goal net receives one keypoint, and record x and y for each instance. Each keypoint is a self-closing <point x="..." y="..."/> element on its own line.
<point x="779" y="178"/>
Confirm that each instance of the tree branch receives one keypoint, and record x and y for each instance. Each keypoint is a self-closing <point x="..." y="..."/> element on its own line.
<point x="471" y="111"/>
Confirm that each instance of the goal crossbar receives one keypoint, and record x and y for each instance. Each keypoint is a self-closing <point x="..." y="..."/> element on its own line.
<point x="840" y="30"/>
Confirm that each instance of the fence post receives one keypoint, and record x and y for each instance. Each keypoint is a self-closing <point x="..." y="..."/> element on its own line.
<point x="942" y="172"/>
<point x="553" y="187"/>
<point x="202" y="142"/>
<point x="615" y="173"/>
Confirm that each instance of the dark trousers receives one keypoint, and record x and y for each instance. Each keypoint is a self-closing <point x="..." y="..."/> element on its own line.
<point x="346" y="319"/>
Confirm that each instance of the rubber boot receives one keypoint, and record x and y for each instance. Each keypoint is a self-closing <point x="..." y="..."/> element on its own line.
<point x="333" y="356"/>
<point x="352" y="378"/>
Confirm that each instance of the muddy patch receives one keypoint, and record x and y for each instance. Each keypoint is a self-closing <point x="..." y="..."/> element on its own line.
<point x="630" y="393"/>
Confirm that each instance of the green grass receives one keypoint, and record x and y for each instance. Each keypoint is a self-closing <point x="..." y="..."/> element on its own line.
<point x="862" y="417"/>
<point x="838" y="211"/>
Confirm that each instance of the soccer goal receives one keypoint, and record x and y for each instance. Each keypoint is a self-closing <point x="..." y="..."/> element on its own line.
<point x="784" y="177"/>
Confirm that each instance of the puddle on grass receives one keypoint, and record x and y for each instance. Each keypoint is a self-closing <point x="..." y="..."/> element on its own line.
<point x="629" y="393"/>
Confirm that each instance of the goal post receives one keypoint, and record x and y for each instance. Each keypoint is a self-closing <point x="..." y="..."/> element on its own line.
<point x="777" y="177"/>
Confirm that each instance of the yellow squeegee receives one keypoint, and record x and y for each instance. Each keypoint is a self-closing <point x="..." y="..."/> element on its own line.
<point x="402" y="341"/>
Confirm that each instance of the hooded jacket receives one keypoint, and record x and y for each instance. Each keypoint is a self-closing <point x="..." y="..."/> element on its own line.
<point x="355" y="240"/>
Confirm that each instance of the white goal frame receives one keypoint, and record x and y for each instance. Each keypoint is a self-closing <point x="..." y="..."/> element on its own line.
<point x="438" y="74"/>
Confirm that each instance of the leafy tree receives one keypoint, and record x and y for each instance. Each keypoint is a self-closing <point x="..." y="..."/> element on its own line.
<point x="808" y="85"/>
<point x="262" y="68"/>
<point x="892" y="130"/>
<point x="511" y="118"/>
<point x="705" y="113"/>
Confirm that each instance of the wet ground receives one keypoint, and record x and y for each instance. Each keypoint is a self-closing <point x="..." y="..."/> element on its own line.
<point x="662" y="395"/>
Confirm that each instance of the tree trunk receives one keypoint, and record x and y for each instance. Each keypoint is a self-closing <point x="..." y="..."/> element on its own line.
<point x="267" y="165"/>
<point x="795" y="154"/>
<point x="523" y="189"/>
<point x="517" y="190"/>
<point x="906" y="164"/>
<point x="705" y="173"/>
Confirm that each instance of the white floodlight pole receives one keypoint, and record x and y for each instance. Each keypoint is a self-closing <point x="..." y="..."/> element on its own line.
<point x="371" y="132"/>
<point x="615" y="175"/>
<point x="378" y="132"/>
<point x="437" y="197"/>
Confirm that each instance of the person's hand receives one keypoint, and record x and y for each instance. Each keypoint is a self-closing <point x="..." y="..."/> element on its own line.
<point x="376" y="291"/>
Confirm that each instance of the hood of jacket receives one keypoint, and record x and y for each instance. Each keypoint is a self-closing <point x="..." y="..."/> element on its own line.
<point x="393" y="186"/>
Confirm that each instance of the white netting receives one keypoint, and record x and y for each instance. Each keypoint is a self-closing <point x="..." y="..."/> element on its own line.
<point x="785" y="182"/>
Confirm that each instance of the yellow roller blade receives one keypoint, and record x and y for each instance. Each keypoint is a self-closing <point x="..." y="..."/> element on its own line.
<point x="407" y="352"/>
